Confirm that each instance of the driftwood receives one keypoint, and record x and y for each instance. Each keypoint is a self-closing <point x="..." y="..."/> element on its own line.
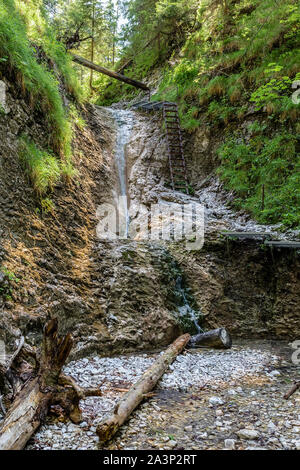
<point x="110" y="73"/>
<point x="45" y="386"/>
<point x="112" y="422"/>
<point x="7" y="373"/>
<point x="294" y="388"/>
<point x="218" y="339"/>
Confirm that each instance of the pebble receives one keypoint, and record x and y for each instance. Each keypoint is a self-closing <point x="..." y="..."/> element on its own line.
<point x="229" y="444"/>
<point x="275" y="373"/>
<point x="188" y="428"/>
<point x="172" y="443"/>
<point x="250" y="434"/>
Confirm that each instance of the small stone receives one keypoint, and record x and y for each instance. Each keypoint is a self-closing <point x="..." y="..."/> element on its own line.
<point x="272" y="427"/>
<point x="172" y="443"/>
<point x="297" y="444"/>
<point x="216" y="401"/>
<point x="188" y="428"/>
<point x="231" y="392"/>
<point x="275" y="373"/>
<point x="219" y="412"/>
<point x="202" y="435"/>
<point x="229" y="444"/>
<point x="248" y="434"/>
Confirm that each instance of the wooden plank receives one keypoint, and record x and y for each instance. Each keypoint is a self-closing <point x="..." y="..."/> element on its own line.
<point x="249" y="235"/>
<point x="283" y="244"/>
<point x="110" y="73"/>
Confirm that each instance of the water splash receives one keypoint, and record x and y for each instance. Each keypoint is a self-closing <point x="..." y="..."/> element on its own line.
<point x="124" y="122"/>
<point x="185" y="310"/>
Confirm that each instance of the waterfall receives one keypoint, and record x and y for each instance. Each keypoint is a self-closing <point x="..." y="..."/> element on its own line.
<point x="124" y="123"/>
<point x="185" y="310"/>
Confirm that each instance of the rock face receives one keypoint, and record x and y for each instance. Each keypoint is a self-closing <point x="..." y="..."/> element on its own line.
<point x="122" y="295"/>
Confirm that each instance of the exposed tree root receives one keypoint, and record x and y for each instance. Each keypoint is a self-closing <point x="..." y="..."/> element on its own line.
<point x="44" y="386"/>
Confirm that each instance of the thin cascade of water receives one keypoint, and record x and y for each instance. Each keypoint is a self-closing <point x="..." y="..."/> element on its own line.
<point x="186" y="310"/>
<point x="124" y="122"/>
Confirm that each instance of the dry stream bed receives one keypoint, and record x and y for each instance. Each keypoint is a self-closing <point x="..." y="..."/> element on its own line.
<point x="208" y="400"/>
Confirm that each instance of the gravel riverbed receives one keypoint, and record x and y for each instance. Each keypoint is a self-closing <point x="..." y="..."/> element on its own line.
<point x="208" y="400"/>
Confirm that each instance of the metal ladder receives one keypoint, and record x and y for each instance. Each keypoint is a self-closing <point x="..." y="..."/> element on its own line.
<point x="178" y="173"/>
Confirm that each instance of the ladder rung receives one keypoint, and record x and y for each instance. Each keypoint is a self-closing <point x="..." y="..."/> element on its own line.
<point x="178" y="173"/>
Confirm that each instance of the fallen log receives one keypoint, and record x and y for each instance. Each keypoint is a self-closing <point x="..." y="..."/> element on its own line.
<point x="291" y="392"/>
<point x="110" y="73"/>
<point x="44" y="387"/>
<point x="218" y="339"/>
<point x="129" y="401"/>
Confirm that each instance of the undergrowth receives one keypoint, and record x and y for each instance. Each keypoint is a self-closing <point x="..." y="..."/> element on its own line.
<point x="265" y="173"/>
<point x="240" y="62"/>
<point x="31" y="56"/>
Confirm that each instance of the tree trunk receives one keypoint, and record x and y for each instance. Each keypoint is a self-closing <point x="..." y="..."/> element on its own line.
<point x="44" y="387"/>
<point x="219" y="339"/>
<point x="110" y="73"/>
<point x="110" y="425"/>
<point x="92" y="46"/>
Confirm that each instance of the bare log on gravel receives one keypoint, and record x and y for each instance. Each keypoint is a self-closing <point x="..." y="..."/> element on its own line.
<point x="45" y="386"/>
<point x="218" y="339"/>
<point x="291" y="392"/>
<point x="112" y="422"/>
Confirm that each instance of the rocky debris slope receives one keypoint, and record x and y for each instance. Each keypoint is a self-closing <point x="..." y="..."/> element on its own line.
<point x="207" y="400"/>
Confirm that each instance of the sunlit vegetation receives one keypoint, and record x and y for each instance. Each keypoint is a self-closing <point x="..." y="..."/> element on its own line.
<point x="224" y="62"/>
<point x="228" y="64"/>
